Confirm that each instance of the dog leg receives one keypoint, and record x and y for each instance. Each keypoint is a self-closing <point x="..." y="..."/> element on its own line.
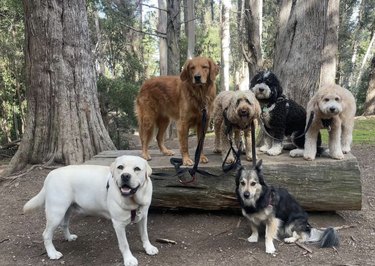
<point x="309" y="152"/>
<point x="163" y="123"/>
<point x="271" y="233"/>
<point x="53" y="221"/>
<point x="129" y="259"/>
<point x="293" y="238"/>
<point x="277" y="148"/>
<point x="65" y="225"/>
<point x="218" y="135"/>
<point x="183" y="131"/>
<point x="253" y="238"/>
<point x="146" y="131"/>
<point x="334" y="144"/>
<point x="249" y="155"/>
<point x="347" y="136"/>
<point x="142" y="228"/>
<point x="296" y="153"/>
<point x="267" y="144"/>
<point x="203" y="158"/>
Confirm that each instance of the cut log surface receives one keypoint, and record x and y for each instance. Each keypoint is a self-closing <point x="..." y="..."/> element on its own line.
<point x="321" y="185"/>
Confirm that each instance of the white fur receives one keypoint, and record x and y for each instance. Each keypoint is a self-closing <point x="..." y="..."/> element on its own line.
<point x="86" y="186"/>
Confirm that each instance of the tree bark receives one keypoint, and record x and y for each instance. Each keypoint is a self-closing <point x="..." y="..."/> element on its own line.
<point x="173" y="36"/>
<point x="225" y="44"/>
<point x="369" y="108"/>
<point x="64" y="124"/>
<point x="305" y="46"/>
<point x="162" y="28"/>
<point x="190" y="27"/>
<point x="368" y="52"/>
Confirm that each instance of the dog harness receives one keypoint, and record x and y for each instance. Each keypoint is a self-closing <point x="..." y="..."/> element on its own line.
<point x="327" y="123"/>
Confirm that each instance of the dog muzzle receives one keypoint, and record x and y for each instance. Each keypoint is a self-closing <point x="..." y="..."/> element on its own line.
<point x="127" y="191"/>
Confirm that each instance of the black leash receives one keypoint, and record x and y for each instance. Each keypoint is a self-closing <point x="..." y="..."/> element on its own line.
<point x="177" y="162"/>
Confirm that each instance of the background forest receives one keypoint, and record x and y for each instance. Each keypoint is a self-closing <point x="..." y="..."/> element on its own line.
<point x="126" y="43"/>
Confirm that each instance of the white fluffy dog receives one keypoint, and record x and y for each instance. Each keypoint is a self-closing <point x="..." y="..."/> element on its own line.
<point x="240" y="109"/>
<point x="121" y="192"/>
<point x="334" y="109"/>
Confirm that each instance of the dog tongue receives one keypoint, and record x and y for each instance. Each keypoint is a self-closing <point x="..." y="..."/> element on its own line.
<point x="125" y="190"/>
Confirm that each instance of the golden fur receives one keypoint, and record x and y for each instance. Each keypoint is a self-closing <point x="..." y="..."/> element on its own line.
<point x="335" y="103"/>
<point x="180" y="98"/>
<point x="241" y="109"/>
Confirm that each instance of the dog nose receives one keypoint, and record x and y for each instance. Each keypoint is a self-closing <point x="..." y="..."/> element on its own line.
<point x="332" y="109"/>
<point x="197" y="78"/>
<point x="125" y="177"/>
<point x="261" y="89"/>
<point x="246" y="194"/>
<point x="244" y="112"/>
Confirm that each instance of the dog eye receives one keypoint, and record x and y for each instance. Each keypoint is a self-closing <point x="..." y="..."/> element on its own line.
<point x="137" y="169"/>
<point x="253" y="183"/>
<point x="205" y="67"/>
<point x="120" y="167"/>
<point x="243" y="183"/>
<point x="326" y="100"/>
<point x="337" y="99"/>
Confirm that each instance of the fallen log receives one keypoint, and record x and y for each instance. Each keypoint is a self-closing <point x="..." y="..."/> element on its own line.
<point x="321" y="185"/>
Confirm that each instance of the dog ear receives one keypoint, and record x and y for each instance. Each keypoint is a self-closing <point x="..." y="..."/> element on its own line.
<point x="112" y="168"/>
<point x="185" y="74"/>
<point x="214" y="70"/>
<point x="259" y="169"/>
<point x="148" y="170"/>
<point x="238" y="175"/>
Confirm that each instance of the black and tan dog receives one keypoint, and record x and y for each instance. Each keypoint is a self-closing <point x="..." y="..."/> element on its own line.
<point x="275" y="208"/>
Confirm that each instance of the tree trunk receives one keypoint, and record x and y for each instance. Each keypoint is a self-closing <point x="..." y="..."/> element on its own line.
<point x="190" y="27"/>
<point x="173" y="36"/>
<point x="370" y="97"/>
<point x="64" y="124"/>
<point x="368" y="52"/>
<point x="253" y="52"/>
<point x="162" y="29"/>
<point x="225" y="44"/>
<point x="305" y="46"/>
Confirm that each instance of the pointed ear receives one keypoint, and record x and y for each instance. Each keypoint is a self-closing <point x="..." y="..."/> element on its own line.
<point x="238" y="175"/>
<point x="214" y="70"/>
<point x="185" y="74"/>
<point x="148" y="170"/>
<point x="258" y="166"/>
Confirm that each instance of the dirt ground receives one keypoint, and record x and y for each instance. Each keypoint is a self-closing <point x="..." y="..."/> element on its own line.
<point x="203" y="238"/>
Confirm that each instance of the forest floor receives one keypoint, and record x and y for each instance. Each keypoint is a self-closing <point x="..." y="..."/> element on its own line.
<point x="203" y="238"/>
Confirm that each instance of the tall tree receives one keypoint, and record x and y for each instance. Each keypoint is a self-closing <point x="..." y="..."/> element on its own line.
<point x="369" y="108"/>
<point x="306" y="46"/>
<point x="190" y="26"/>
<point x="173" y="36"/>
<point x="162" y="30"/>
<point x="253" y="24"/>
<point x="225" y="43"/>
<point x="64" y="124"/>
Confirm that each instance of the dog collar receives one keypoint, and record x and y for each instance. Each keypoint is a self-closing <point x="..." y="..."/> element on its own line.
<point x="327" y="123"/>
<point x="133" y="214"/>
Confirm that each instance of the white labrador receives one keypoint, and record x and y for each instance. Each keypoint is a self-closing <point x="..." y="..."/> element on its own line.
<point x="121" y="192"/>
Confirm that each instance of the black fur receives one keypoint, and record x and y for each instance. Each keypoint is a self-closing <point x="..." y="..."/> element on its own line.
<point x="287" y="118"/>
<point x="285" y="208"/>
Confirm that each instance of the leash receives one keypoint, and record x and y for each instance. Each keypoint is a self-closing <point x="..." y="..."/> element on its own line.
<point x="177" y="162"/>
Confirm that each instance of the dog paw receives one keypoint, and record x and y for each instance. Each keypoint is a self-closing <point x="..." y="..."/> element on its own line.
<point x="337" y="156"/>
<point x="345" y="150"/>
<point x="274" y="151"/>
<point x="216" y="150"/>
<point x="270" y="249"/>
<point x="203" y="159"/>
<point x="249" y="158"/>
<point x="230" y="159"/>
<point x="72" y="237"/>
<point x="264" y="148"/>
<point x="253" y="239"/>
<point x="55" y="255"/>
<point x="290" y="240"/>
<point x="167" y="152"/>
<point x="187" y="162"/>
<point x="146" y="156"/>
<point x="151" y="250"/>
<point x="296" y="153"/>
<point x="130" y="261"/>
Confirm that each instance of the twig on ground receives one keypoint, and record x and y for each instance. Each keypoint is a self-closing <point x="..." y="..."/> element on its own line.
<point x="166" y="241"/>
<point x="340" y="227"/>
<point x="4" y="240"/>
<point x="303" y="247"/>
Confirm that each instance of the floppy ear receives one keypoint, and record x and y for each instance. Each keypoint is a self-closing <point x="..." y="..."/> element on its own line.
<point x="112" y="168"/>
<point x="185" y="74"/>
<point x="258" y="111"/>
<point x="214" y="70"/>
<point x="148" y="170"/>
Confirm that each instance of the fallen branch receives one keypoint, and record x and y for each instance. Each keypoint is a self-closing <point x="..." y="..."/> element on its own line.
<point x="303" y="247"/>
<point x="166" y="241"/>
<point x="337" y="228"/>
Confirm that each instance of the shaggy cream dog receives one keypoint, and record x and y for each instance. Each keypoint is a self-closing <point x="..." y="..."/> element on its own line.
<point x="240" y="109"/>
<point x="334" y="109"/>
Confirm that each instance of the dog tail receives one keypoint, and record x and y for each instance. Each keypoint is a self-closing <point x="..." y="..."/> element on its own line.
<point x="326" y="239"/>
<point x="35" y="202"/>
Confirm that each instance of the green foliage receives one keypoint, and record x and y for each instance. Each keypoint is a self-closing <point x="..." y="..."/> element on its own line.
<point x="363" y="133"/>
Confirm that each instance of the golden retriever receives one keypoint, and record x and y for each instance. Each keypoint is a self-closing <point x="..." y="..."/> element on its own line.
<point x="181" y="98"/>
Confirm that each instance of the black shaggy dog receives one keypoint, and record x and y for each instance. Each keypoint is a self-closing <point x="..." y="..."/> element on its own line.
<point x="275" y="208"/>
<point x="281" y="117"/>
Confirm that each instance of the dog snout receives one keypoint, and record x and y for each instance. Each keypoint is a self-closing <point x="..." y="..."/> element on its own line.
<point x="246" y="194"/>
<point x="125" y="177"/>
<point x="243" y="112"/>
<point x="197" y="78"/>
<point x="261" y="89"/>
<point x="332" y="109"/>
